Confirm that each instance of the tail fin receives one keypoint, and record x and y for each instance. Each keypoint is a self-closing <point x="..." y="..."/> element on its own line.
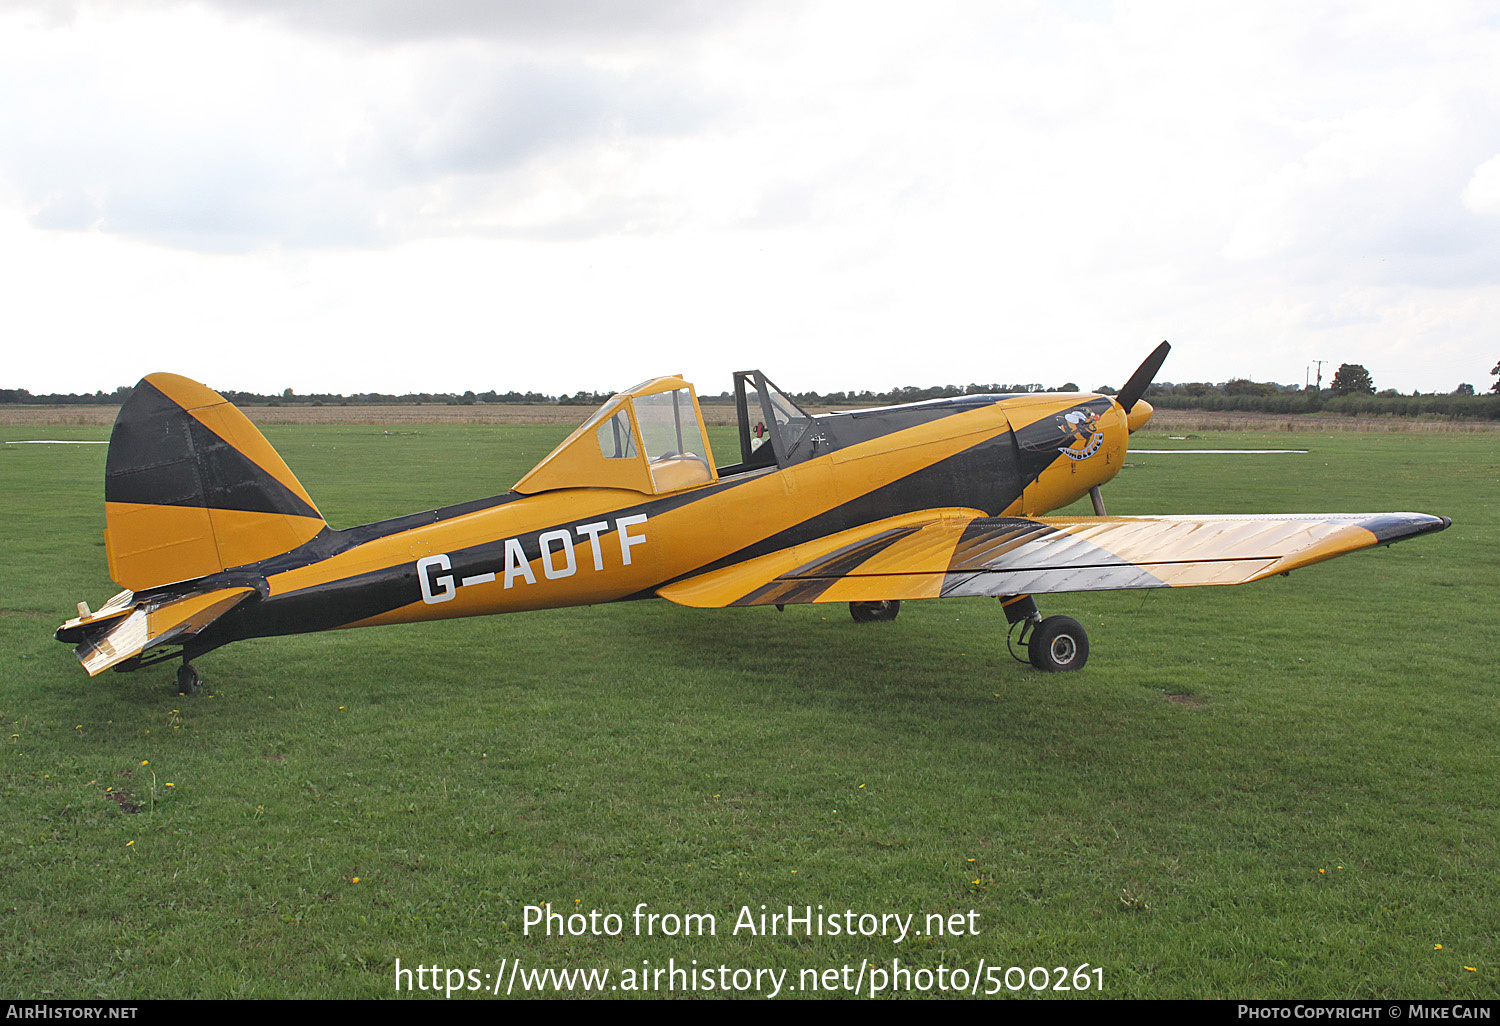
<point x="192" y="488"/>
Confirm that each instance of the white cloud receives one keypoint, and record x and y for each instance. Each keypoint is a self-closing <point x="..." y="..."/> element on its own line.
<point x="865" y="194"/>
<point x="1482" y="194"/>
<point x="533" y="21"/>
<point x="188" y="130"/>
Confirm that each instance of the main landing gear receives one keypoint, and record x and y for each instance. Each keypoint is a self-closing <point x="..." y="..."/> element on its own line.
<point x="1054" y="645"/>
<point x="188" y="680"/>
<point x="874" y="612"/>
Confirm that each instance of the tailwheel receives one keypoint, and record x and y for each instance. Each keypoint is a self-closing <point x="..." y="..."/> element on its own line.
<point x="1058" y="644"/>
<point x="874" y="612"/>
<point x="188" y="680"/>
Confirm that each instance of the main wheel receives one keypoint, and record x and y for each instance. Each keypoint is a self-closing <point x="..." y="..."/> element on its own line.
<point x="1058" y="643"/>
<point x="874" y="612"/>
<point x="188" y="680"/>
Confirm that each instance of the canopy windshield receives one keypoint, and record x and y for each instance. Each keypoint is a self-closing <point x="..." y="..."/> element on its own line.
<point x="772" y="425"/>
<point x="648" y="439"/>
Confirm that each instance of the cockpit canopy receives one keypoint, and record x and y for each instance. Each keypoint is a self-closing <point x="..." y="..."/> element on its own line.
<point x="649" y="439"/>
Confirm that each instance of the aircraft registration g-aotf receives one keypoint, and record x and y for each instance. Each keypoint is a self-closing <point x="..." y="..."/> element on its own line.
<point x="216" y="541"/>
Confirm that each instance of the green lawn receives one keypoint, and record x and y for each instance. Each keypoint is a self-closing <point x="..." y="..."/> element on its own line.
<point x="1281" y="790"/>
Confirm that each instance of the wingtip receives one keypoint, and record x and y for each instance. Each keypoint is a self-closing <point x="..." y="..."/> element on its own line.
<point x="1394" y="527"/>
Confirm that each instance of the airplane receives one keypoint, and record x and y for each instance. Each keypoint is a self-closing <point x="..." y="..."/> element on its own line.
<point x="215" y="540"/>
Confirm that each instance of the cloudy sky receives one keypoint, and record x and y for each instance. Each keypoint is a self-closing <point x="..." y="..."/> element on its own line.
<point x="354" y="195"/>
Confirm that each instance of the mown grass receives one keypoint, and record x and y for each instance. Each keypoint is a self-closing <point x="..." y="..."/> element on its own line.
<point x="1286" y="789"/>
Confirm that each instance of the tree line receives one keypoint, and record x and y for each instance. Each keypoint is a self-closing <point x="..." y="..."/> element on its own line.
<point x="1350" y="392"/>
<point x="287" y="397"/>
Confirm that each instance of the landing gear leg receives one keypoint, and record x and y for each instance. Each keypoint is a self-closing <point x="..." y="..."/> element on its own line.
<point x="1053" y="645"/>
<point x="188" y="680"/>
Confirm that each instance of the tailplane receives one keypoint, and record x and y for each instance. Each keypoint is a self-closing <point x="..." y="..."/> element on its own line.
<point x="191" y="488"/>
<point x="124" y="631"/>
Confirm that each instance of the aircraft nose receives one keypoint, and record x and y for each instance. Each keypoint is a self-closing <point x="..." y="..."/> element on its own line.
<point x="1139" y="414"/>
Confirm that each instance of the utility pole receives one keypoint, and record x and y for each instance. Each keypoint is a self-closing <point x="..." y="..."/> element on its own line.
<point x="1320" y="364"/>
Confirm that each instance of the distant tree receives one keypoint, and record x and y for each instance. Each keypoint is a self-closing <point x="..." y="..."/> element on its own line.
<point x="1242" y="386"/>
<point x="1071" y="386"/>
<point x="1352" y="379"/>
<point x="1496" y="386"/>
<point x="1464" y="389"/>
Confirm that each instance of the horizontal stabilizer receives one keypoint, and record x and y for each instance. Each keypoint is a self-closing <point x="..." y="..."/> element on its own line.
<point x="123" y="630"/>
<point x="957" y="553"/>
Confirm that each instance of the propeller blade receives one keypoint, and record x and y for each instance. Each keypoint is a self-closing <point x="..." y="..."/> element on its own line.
<point x="1141" y="379"/>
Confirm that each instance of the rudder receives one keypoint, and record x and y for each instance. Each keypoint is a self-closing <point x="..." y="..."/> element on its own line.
<point x="191" y="487"/>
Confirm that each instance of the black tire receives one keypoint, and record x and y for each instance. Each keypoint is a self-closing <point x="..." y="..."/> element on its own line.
<point x="1058" y="644"/>
<point x="188" y="680"/>
<point x="874" y="612"/>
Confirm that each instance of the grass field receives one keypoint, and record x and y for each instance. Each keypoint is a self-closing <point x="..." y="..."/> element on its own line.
<point x="1281" y="790"/>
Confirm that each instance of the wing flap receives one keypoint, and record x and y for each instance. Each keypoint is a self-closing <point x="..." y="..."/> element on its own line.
<point x="957" y="553"/>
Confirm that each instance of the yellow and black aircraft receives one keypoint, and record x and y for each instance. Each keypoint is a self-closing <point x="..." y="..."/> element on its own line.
<point x="216" y="541"/>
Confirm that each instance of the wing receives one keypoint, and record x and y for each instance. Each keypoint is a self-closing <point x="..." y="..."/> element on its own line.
<point x="955" y="552"/>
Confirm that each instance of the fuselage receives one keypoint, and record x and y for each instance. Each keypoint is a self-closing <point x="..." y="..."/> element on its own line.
<point x="1017" y="455"/>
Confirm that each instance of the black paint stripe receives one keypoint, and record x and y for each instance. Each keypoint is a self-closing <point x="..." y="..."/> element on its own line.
<point x="161" y="455"/>
<point x="808" y="582"/>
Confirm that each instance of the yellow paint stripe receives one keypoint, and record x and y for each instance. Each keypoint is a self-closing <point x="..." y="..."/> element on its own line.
<point x="884" y="588"/>
<point x="246" y="537"/>
<point x="930" y="549"/>
<point x="195" y="612"/>
<point x="151" y="545"/>
<point x="724" y="587"/>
